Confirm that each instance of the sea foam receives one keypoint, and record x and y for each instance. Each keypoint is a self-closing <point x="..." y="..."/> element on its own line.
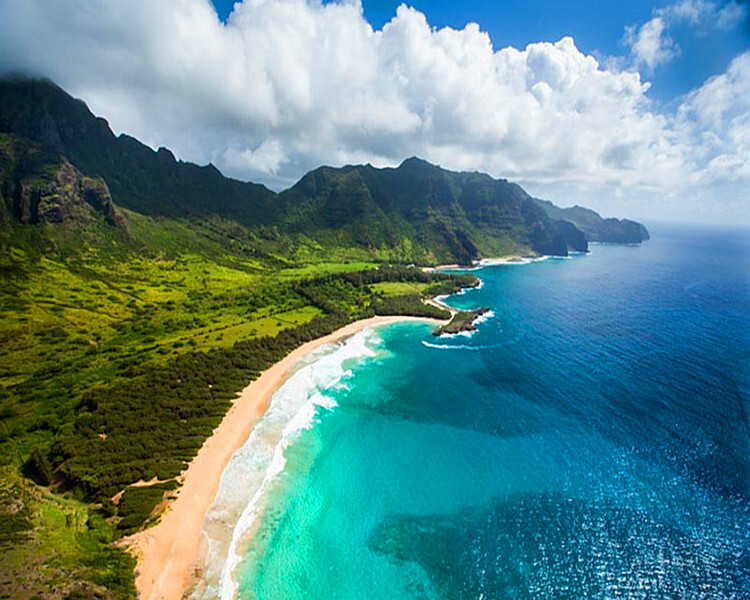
<point x="484" y="317"/>
<point x="466" y="334"/>
<point x="449" y="346"/>
<point x="459" y="346"/>
<point x="246" y="481"/>
<point x="493" y="262"/>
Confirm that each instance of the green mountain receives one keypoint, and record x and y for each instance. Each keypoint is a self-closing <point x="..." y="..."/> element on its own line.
<point x="596" y="228"/>
<point x="38" y="186"/>
<point x="415" y="213"/>
<point x="151" y="183"/>
<point x="458" y="216"/>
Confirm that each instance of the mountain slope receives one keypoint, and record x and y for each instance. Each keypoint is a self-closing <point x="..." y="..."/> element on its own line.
<point x="152" y="183"/>
<point x="39" y="186"/>
<point x="596" y="228"/>
<point x="450" y="215"/>
<point x="414" y="213"/>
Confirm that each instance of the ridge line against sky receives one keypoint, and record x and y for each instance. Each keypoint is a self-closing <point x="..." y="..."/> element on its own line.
<point x="282" y="86"/>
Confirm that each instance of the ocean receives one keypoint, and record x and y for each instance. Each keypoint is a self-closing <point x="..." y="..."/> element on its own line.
<point x="590" y="440"/>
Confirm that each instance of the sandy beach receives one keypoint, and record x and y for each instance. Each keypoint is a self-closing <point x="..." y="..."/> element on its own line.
<point x="512" y="259"/>
<point x="169" y="552"/>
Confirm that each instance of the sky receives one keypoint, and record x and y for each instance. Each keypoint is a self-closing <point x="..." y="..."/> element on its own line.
<point x="636" y="109"/>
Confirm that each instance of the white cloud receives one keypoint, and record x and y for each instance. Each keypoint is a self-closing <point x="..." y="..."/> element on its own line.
<point x="287" y="85"/>
<point x="716" y="119"/>
<point x="266" y="158"/>
<point x="704" y="13"/>
<point x="649" y="44"/>
<point x="690" y="11"/>
<point x="732" y="15"/>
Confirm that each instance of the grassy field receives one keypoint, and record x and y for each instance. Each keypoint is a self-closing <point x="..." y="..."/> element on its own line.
<point x="118" y="358"/>
<point x="399" y="288"/>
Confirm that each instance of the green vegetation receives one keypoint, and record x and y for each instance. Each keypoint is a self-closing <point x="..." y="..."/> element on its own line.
<point x="118" y="360"/>
<point x="53" y="546"/>
<point x="398" y="288"/>
<point x="594" y="227"/>
<point x="139" y="502"/>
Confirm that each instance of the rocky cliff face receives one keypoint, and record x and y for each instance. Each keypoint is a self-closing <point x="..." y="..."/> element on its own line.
<point x="64" y="196"/>
<point x="37" y="186"/>
<point x="620" y="231"/>
<point x="575" y="239"/>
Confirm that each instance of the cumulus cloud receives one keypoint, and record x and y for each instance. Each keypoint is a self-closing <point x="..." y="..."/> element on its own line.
<point x="287" y="85"/>
<point x="716" y="118"/>
<point x="266" y="158"/>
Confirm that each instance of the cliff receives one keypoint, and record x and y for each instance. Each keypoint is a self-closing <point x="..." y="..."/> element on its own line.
<point x="38" y="186"/>
<point x="595" y="227"/>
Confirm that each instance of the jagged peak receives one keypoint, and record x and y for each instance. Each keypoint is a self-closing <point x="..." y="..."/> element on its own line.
<point x="415" y="161"/>
<point x="166" y="154"/>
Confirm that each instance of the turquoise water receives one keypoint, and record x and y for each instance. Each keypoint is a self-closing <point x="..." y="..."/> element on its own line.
<point x="589" y="441"/>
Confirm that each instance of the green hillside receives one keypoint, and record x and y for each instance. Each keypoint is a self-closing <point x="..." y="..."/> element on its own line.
<point x="427" y="213"/>
<point x="596" y="228"/>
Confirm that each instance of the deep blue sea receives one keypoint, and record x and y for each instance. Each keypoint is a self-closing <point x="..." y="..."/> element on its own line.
<point x="590" y="440"/>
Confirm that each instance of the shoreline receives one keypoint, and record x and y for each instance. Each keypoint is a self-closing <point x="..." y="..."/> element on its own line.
<point x="512" y="259"/>
<point x="168" y="553"/>
<point x="437" y="302"/>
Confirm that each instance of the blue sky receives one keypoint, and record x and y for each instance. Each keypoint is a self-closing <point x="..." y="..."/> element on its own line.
<point x="632" y="108"/>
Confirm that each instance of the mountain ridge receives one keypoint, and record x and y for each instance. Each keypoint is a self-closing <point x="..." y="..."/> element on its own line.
<point x="42" y="112"/>
<point x="595" y="227"/>
<point x="419" y="211"/>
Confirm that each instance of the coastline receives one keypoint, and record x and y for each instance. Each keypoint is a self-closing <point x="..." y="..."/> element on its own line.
<point x="512" y="259"/>
<point x="437" y="302"/>
<point x="168" y="553"/>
